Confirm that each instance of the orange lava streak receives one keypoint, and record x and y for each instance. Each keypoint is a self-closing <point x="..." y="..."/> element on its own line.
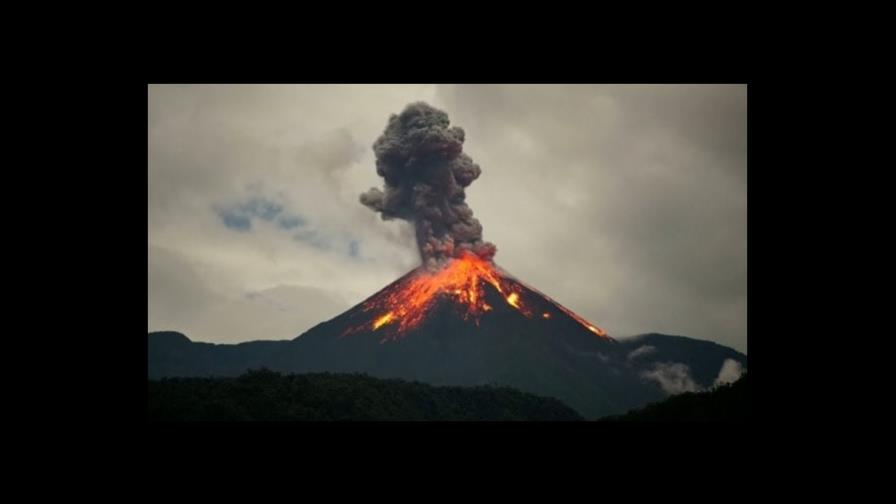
<point x="588" y="325"/>
<point x="385" y="319"/>
<point x="596" y="330"/>
<point x="463" y="279"/>
<point x="406" y="304"/>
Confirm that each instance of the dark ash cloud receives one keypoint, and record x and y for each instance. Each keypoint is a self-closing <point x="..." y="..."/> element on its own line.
<point x="425" y="171"/>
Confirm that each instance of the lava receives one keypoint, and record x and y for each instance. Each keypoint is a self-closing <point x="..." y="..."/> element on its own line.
<point x="385" y="319"/>
<point x="588" y="325"/>
<point x="404" y="305"/>
<point x="596" y="330"/>
<point x="463" y="279"/>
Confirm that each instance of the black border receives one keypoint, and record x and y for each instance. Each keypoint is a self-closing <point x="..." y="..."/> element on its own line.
<point x="124" y="311"/>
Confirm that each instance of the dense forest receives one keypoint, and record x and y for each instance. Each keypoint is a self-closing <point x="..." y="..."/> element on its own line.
<point x="726" y="403"/>
<point x="268" y="395"/>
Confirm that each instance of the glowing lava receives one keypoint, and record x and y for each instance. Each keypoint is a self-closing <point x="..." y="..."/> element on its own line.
<point x="385" y="319"/>
<point x="408" y="303"/>
<point x="596" y="330"/>
<point x="405" y="304"/>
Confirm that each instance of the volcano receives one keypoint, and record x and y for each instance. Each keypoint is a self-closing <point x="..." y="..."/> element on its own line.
<point x="469" y="323"/>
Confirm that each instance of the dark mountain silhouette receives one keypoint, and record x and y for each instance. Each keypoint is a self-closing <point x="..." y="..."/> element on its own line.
<point x="703" y="358"/>
<point x="173" y="354"/>
<point x="724" y="403"/>
<point x="267" y="395"/>
<point x="471" y="324"/>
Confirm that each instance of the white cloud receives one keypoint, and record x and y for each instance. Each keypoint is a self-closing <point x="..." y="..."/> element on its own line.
<point x="673" y="377"/>
<point x="641" y="350"/>
<point x="730" y="372"/>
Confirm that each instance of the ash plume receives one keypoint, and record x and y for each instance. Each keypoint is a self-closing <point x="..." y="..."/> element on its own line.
<point x="425" y="171"/>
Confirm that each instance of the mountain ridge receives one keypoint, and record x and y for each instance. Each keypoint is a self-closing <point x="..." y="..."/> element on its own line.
<point x="174" y="354"/>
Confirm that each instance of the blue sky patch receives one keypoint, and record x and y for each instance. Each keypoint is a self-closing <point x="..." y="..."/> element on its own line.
<point x="239" y="217"/>
<point x="235" y="221"/>
<point x="290" y="221"/>
<point x="262" y="208"/>
<point x="313" y="238"/>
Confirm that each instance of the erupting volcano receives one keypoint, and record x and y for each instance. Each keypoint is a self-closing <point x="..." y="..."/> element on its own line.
<point x="425" y="174"/>
<point x="401" y="307"/>
<point x="459" y="318"/>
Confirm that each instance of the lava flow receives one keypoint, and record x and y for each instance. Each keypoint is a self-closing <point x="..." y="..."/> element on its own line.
<point x="405" y="304"/>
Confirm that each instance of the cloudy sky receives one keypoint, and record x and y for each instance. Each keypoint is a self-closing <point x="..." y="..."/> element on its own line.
<point x="625" y="203"/>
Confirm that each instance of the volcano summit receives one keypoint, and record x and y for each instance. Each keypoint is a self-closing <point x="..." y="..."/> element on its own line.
<point x="474" y="286"/>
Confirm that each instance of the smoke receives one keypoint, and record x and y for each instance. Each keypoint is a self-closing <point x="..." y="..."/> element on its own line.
<point x="425" y="174"/>
<point x="730" y="372"/>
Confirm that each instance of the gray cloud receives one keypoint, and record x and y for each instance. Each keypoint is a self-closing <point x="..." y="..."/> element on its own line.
<point x="182" y="300"/>
<point x="248" y="191"/>
<point x="633" y="198"/>
<point x="649" y="183"/>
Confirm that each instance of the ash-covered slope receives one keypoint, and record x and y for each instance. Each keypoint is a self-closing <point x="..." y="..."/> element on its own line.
<point x="469" y="324"/>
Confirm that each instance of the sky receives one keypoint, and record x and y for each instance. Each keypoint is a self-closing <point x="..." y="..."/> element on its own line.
<point x="625" y="203"/>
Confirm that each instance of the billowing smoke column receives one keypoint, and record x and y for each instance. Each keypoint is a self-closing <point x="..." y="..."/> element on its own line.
<point x="420" y="158"/>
